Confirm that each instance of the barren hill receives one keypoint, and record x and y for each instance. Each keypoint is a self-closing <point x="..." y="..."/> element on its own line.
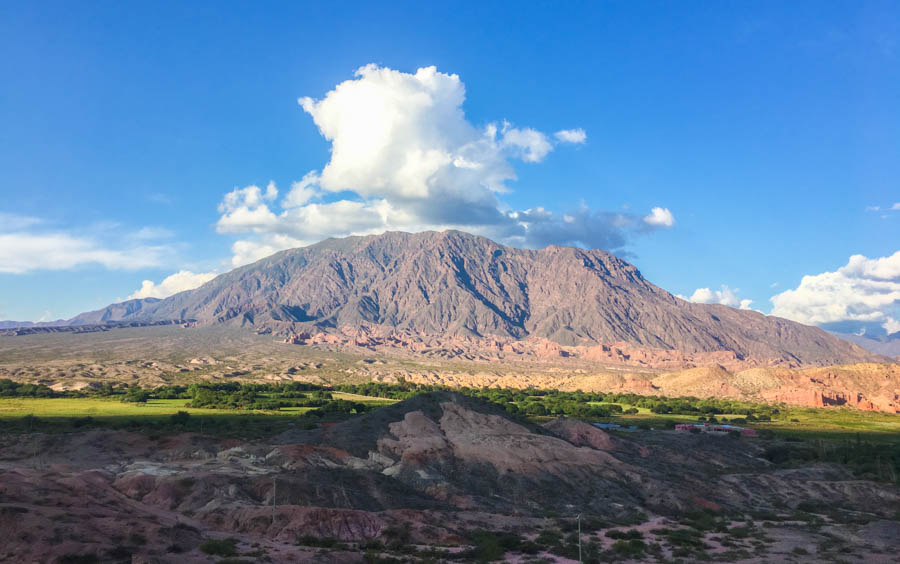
<point x="457" y="284"/>
<point x="423" y="480"/>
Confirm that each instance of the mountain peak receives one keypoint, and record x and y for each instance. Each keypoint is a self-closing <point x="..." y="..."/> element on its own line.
<point x="454" y="283"/>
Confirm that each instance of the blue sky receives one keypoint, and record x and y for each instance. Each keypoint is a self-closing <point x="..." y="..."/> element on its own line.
<point x="769" y="131"/>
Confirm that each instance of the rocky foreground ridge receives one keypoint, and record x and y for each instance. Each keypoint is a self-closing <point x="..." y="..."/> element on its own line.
<point x="453" y="284"/>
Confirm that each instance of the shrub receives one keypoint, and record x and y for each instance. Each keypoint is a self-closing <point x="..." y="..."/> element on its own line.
<point x="487" y="547"/>
<point x="625" y="535"/>
<point x="702" y="520"/>
<point x="398" y="536"/>
<point x="629" y="548"/>
<point x="219" y="547"/>
<point x="548" y="537"/>
<point x="685" y="538"/>
<point x="740" y="532"/>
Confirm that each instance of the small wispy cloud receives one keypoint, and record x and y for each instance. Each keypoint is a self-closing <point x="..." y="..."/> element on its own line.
<point x="13" y="222"/>
<point x="27" y="245"/>
<point x="577" y="136"/>
<point x="892" y="207"/>
<point x="151" y="233"/>
<point x="21" y="253"/>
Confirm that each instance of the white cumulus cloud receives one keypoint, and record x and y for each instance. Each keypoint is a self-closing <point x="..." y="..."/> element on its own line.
<point x="724" y="295"/>
<point x="528" y="144"/>
<point x="404" y="157"/>
<point x="865" y="290"/>
<point x="178" y="282"/>
<point x="660" y="217"/>
<point x="302" y="191"/>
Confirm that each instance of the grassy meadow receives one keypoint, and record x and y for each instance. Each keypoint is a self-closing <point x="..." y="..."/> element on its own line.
<point x="822" y="423"/>
<point x="62" y="413"/>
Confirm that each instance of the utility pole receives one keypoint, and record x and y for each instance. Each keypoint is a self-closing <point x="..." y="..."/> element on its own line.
<point x="579" y="538"/>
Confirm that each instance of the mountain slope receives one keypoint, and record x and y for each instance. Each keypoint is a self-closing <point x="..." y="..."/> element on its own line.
<point x="887" y="345"/>
<point x="453" y="283"/>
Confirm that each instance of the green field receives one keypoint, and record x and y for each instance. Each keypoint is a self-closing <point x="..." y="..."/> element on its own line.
<point x="358" y="397"/>
<point x="827" y="423"/>
<point x="60" y="413"/>
<point x="113" y="407"/>
<point x="100" y="408"/>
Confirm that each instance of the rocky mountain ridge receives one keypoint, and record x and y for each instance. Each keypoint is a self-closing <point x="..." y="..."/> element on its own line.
<point x="456" y="284"/>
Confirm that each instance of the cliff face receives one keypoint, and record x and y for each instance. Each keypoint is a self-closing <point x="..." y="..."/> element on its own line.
<point x="456" y="284"/>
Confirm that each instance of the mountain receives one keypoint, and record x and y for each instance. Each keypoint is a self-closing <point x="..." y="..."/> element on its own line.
<point x="25" y="324"/>
<point x="15" y="324"/>
<point x="887" y="345"/>
<point x="127" y="310"/>
<point x="454" y="283"/>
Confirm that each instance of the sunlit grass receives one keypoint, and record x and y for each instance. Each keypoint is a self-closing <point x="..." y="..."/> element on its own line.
<point x="828" y="423"/>
<point x="812" y="423"/>
<point x="112" y="407"/>
<point x="358" y="397"/>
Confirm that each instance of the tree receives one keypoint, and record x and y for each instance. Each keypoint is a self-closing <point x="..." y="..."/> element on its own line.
<point x="136" y="395"/>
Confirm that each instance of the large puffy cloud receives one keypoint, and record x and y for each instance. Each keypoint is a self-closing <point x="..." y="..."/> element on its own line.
<point x="724" y="296"/>
<point x="865" y="291"/>
<point x="404" y="135"/>
<point x="404" y="157"/>
<point x="178" y="282"/>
